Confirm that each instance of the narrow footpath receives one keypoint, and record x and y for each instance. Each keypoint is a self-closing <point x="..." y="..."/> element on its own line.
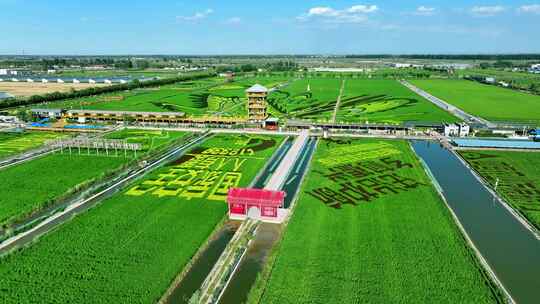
<point x="338" y="102"/>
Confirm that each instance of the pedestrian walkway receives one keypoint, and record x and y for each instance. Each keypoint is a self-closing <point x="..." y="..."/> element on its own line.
<point x="280" y="175"/>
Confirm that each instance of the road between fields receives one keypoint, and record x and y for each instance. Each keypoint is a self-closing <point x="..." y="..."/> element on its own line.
<point x="448" y="107"/>
<point x="338" y="102"/>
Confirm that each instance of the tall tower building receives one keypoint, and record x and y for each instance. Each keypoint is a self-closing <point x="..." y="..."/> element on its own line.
<point x="256" y="104"/>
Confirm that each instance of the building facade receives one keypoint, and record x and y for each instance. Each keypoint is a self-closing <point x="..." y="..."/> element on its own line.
<point x="256" y="105"/>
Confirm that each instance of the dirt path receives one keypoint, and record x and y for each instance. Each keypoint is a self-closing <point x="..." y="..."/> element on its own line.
<point x="338" y="102"/>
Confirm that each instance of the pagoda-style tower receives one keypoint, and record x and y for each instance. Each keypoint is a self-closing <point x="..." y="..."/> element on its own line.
<point x="256" y="104"/>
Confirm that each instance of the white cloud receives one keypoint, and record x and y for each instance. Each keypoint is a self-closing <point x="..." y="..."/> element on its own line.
<point x="366" y="9"/>
<point x="487" y="11"/>
<point x="322" y="11"/>
<point x="197" y="16"/>
<point x="530" y="9"/>
<point x="353" y="14"/>
<point x="424" y="11"/>
<point x="234" y="20"/>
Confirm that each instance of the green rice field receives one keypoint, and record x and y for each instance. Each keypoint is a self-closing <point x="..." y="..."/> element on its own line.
<point x="487" y="101"/>
<point x="31" y="186"/>
<point x="136" y="242"/>
<point x="370" y="228"/>
<point x="13" y="143"/>
<point x="150" y="140"/>
<point x="517" y="175"/>
<point x="363" y="100"/>
<point x="195" y="98"/>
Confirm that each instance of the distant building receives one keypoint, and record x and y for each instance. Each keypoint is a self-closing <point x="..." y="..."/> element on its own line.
<point x="451" y="130"/>
<point x="490" y="79"/>
<point x="47" y="113"/>
<point x="535" y="68"/>
<point x="8" y="119"/>
<point x="464" y="130"/>
<point x="4" y="95"/>
<point x="460" y="129"/>
<point x="452" y="66"/>
<point x="256" y="106"/>
<point x="337" y="70"/>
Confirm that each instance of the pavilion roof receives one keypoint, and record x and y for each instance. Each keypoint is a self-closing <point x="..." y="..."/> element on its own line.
<point x="256" y="196"/>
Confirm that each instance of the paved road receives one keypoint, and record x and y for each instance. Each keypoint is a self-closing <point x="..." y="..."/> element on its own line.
<point x="280" y="175"/>
<point x="448" y="107"/>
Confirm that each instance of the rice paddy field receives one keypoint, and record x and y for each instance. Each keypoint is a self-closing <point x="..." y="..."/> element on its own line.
<point x="370" y="228"/>
<point x="487" y="101"/>
<point x="516" y="174"/>
<point x="31" y="186"/>
<point x="195" y="98"/>
<point x="136" y="242"/>
<point x="14" y="143"/>
<point x="363" y="100"/>
<point x="150" y="140"/>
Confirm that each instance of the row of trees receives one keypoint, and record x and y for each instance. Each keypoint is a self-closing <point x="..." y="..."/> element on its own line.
<point x="532" y="87"/>
<point x="453" y="57"/>
<point x="56" y="96"/>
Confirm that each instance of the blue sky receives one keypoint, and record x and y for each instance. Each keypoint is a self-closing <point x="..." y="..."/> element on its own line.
<point x="268" y="27"/>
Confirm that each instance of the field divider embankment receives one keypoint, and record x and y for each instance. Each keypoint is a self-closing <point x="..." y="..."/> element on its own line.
<point x="517" y="215"/>
<point x="480" y="258"/>
<point x="58" y="218"/>
<point x="214" y="284"/>
<point x="447" y="106"/>
<point x="338" y="101"/>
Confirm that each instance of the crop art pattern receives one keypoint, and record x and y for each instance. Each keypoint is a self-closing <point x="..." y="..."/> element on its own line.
<point x="364" y="174"/>
<point x="205" y="173"/>
<point x="512" y="183"/>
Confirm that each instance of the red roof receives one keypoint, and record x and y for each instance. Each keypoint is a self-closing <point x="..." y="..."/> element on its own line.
<point x="256" y="196"/>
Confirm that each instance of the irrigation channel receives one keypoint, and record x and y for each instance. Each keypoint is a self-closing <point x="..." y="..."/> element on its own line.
<point x="267" y="234"/>
<point x="78" y="205"/>
<point x="204" y="263"/>
<point x="509" y="248"/>
<point x="253" y="262"/>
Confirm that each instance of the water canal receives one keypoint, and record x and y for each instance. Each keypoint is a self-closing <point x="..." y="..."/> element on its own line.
<point x="253" y="262"/>
<point x="511" y="250"/>
<point x="204" y="263"/>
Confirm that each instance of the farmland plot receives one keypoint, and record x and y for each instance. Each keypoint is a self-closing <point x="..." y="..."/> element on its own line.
<point x="517" y="176"/>
<point x="196" y="98"/>
<point x="370" y="228"/>
<point x="13" y="143"/>
<point x="32" y="186"/>
<point x="130" y="247"/>
<point x="487" y="101"/>
<point x="363" y="100"/>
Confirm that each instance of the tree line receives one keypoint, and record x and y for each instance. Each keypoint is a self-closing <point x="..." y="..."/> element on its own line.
<point x="136" y="84"/>
<point x="452" y="57"/>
